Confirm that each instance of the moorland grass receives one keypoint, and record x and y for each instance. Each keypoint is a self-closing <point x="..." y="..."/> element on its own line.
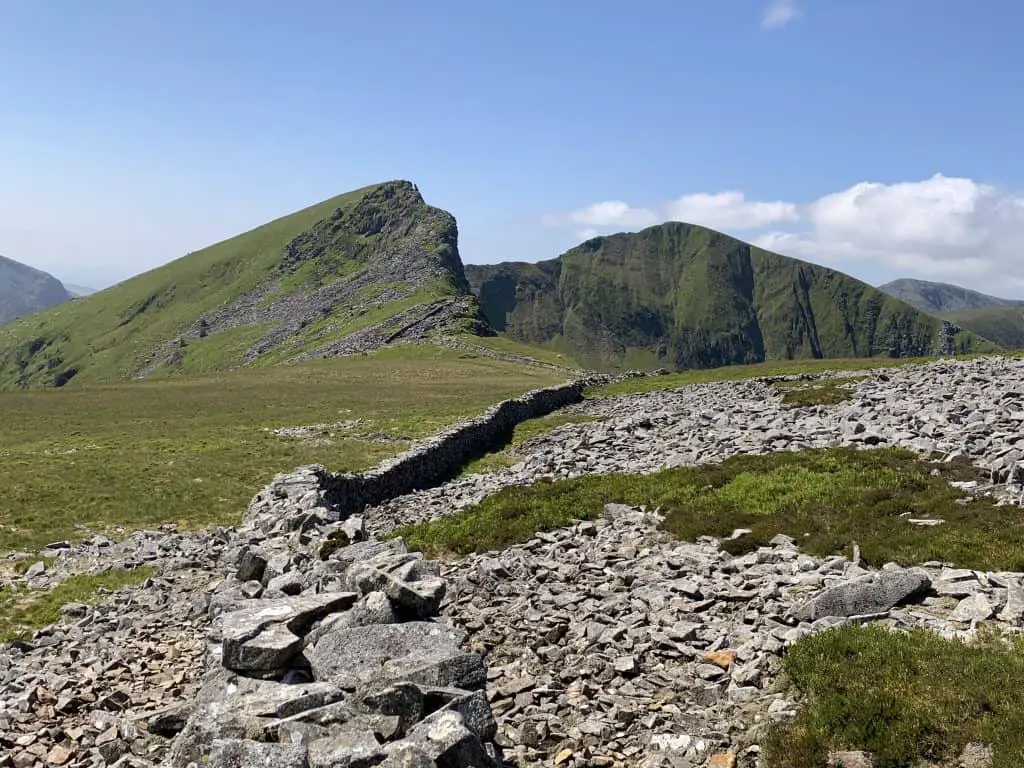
<point x="909" y="698"/>
<point x="827" y="499"/>
<point x="23" y="610"/>
<point x="193" y="451"/>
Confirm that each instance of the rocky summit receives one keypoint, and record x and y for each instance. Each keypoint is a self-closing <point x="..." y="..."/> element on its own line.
<point x="303" y="637"/>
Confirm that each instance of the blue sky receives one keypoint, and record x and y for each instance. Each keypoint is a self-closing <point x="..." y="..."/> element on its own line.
<point x="878" y="136"/>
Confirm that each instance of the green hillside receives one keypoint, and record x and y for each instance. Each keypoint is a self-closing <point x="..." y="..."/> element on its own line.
<point x="682" y="296"/>
<point x="942" y="298"/>
<point x="1002" y="325"/>
<point x="352" y="273"/>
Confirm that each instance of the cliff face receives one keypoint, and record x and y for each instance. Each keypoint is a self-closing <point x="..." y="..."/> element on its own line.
<point x="351" y="274"/>
<point x="24" y="290"/>
<point x="683" y="296"/>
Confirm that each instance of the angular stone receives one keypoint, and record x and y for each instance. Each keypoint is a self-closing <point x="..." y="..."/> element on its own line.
<point x="445" y="739"/>
<point x="723" y="659"/>
<point x="873" y="593"/>
<point x="251" y="564"/>
<point x="347" y="749"/>
<point x="409" y="582"/>
<point x="418" y="652"/>
<point x="374" y="608"/>
<point x="973" y="608"/>
<point x="268" y="634"/>
<point x="1013" y="611"/>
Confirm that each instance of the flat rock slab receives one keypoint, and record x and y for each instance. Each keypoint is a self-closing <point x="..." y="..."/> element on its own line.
<point x="418" y="652"/>
<point x="872" y="593"/>
<point x="266" y="635"/>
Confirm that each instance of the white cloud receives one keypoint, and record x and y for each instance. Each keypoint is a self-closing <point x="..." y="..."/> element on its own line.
<point x="778" y="14"/>
<point x="944" y="228"/>
<point x="613" y="213"/>
<point x="730" y="210"/>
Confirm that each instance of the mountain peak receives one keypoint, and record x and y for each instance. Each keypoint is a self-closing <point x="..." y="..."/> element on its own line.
<point x="25" y="289"/>
<point x="344" y="276"/>
<point x="680" y="295"/>
<point x="938" y="298"/>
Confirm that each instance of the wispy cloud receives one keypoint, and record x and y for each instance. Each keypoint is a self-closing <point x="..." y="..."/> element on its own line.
<point x="779" y="13"/>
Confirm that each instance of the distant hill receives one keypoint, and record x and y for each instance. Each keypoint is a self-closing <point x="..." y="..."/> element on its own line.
<point x="996" y="319"/>
<point x="682" y="296"/>
<point x="24" y="290"/>
<point x="939" y="298"/>
<point x="350" y="274"/>
<point x="1003" y="325"/>
<point x="79" y="290"/>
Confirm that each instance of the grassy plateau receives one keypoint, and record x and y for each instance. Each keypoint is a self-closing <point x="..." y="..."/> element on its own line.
<point x="193" y="451"/>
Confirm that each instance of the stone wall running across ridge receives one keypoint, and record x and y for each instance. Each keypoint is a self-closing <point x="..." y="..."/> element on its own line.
<point x="426" y="463"/>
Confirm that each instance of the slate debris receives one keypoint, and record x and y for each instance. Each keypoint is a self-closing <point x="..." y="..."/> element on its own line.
<point x="604" y="644"/>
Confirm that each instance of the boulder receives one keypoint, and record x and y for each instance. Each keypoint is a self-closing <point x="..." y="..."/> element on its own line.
<point x="418" y="652"/>
<point x="414" y="585"/>
<point x="873" y="593"/>
<point x="266" y="635"/>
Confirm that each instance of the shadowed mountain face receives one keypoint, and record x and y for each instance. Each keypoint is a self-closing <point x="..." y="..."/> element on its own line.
<point x="24" y="290"/>
<point x="348" y="275"/>
<point x="683" y="296"/>
<point x="940" y="298"/>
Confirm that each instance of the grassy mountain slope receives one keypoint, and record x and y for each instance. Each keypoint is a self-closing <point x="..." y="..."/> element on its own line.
<point x="1002" y="325"/>
<point x="940" y="298"/>
<point x="24" y="290"/>
<point x="349" y="274"/>
<point x="683" y="296"/>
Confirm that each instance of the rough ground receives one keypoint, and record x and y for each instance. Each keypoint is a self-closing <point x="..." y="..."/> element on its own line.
<point x="607" y="644"/>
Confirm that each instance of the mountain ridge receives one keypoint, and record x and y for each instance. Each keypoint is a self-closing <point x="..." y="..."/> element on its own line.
<point x="349" y="274"/>
<point x="25" y="290"/>
<point x="938" y="298"/>
<point x="683" y="296"/>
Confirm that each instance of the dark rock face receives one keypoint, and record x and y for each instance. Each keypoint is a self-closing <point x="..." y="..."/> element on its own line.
<point x="24" y="290"/>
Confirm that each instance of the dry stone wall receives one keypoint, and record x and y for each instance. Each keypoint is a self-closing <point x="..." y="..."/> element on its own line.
<point x="425" y="464"/>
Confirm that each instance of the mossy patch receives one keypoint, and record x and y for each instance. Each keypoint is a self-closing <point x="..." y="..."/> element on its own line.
<point x="827" y="499"/>
<point x="909" y="698"/>
<point x="831" y="391"/>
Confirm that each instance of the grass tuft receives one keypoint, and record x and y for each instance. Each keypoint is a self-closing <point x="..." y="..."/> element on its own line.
<point x="797" y="394"/>
<point x="906" y="697"/>
<point x="828" y="499"/>
<point x="23" y="611"/>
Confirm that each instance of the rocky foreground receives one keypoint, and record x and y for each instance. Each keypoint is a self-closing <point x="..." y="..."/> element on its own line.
<point x="293" y="641"/>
